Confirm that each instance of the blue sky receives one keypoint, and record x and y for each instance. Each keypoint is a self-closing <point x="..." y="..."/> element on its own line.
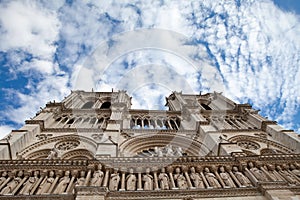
<point x="249" y="50"/>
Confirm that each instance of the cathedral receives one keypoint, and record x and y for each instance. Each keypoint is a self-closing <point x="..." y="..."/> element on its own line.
<point x="92" y="145"/>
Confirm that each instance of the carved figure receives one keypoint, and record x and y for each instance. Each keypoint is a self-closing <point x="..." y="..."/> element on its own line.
<point x="169" y="150"/>
<point x="273" y="173"/>
<point x="13" y="184"/>
<point x="97" y="177"/>
<point x="80" y="181"/>
<point x="163" y="180"/>
<point x="63" y="183"/>
<point x="196" y="178"/>
<point x="286" y="175"/>
<point x="178" y="151"/>
<point x="180" y="179"/>
<point x="46" y="184"/>
<point x="114" y="181"/>
<point x="158" y="152"/>
<point x="241" y="177"/>
<point x="259" y="175"/>
<point x="294" y="170"/>
<point x="226" y="178"/>
<point x="53" y="154"/>
<point x="29" y="184"/>
<point x="3" y="177"/>
<point x="211" y="178"/>
<point x="131" y="181"/>
<point x="148" y="180"/>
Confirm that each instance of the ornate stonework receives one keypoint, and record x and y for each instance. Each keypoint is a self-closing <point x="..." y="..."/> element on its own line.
<point x="92" y="145"/>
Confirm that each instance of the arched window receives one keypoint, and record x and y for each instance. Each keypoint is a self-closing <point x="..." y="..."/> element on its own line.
<point x="105" y="105"/>
<point x="88" y="105"/>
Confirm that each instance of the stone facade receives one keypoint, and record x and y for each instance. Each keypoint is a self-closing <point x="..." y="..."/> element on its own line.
<point x="92" y="145"/>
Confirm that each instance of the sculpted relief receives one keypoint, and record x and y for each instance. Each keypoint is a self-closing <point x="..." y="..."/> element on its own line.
<point x="178" y="177"/>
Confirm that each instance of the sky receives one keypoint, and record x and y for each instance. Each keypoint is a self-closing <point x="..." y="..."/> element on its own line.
<point x="247" y="49"/>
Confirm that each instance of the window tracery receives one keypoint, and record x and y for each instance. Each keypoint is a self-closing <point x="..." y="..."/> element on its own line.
<point x="67" y="145"/>
<point x="247" y="144"/>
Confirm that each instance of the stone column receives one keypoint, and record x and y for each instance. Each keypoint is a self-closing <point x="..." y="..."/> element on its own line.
<point x="250" y="175"/>
<point x="106" y="177"/>
<point x="200" y="170"/>
<point x="88" y="176"/>
<point x="169" y="123"/>
<point x="170" y="171"/>
<point x="156" y="187"/>
<point x="214" y="170"/>
<point x="74" y="174"/>
<point x="123" y="170"/>
<point x="228" y="169"/>
<point x="58" y="175"/>
<point x="10" y="177"/>
<point x="139" y="185"/>
<point x="43" y="174"/>
<point x="185" y="171"/>
<point x="27" y="174"/>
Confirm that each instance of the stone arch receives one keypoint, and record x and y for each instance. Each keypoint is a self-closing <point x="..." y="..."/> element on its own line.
<point x="137" y="144"/>
<point x="85" y="143"/>
<point x="40" y="154"/>
<point x="78" y="154"/>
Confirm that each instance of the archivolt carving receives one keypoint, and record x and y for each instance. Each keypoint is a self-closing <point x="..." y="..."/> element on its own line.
<point x="78" y="154"/>
<point x="39" y="154"/>
<point x="32" y="148"/>
<point x="139" y="143"/>
<point x="277" y="145"/>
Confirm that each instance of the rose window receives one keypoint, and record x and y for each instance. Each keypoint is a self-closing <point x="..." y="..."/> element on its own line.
<point x="67" y="145"/>
<point x="250" y="145"/>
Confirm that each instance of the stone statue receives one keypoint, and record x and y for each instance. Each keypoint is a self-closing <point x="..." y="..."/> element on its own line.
<point x="53" y="154"/>
<point x="178" y="151"/>
<point x="3" y="177"/>
<point x="12" y="184"/>
<point x="158" y="152"/>
<point x="294" y="170"/>
<point x="29" y="184"/>
<point x="286" y="175"/>
<point x="169" y="150"/>
<point x="80" y="181"/>
<point x="211" y="178"/>
<point x="114" y="181"/>
<point x="163" y="180"/>
<point x="258" y="174"/>
<point x="273" y="173"/>
<point x="148" y="180"/>
<point x="97" y="177"/>
<point x="196" y="178"/>
<point x="241" y="177"/>
<point x="131" y="181"/>
<point x="46" y="184"/>
<point x="226" y="178"/>
<point x="180" y="179"/>
<point x="63" y="183"/>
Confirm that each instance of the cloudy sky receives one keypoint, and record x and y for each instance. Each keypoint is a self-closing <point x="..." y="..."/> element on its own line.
<point x="247" y="49"/>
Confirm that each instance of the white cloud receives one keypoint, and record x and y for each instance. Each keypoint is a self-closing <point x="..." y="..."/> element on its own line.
<point x="28" y="26"/>
<point x="5" y="130"/>
<point x="255" y="48"/>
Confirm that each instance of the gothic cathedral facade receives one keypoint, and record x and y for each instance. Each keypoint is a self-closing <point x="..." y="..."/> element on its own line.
<point x="92" y="145"/>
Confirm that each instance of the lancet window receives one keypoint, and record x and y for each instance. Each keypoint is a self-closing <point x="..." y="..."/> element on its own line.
<point x="80" y="122"/>
<point x="148" y="122"/>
